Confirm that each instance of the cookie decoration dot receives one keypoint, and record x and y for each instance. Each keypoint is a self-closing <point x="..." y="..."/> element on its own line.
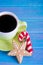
<point x="19" y="52"/>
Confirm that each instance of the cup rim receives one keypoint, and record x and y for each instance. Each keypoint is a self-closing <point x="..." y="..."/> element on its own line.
<point x="12" y="14"/>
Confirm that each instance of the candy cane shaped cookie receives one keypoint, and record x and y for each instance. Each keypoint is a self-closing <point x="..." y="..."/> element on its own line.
<point x="23" y="35"/>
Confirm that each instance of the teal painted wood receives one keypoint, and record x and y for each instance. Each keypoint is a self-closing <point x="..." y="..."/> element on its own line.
<point x="21" y="2"/>
<point x="33" y="16"/>
<point x="30" y="11"/>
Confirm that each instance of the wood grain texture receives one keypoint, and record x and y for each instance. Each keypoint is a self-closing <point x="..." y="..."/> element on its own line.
<point x="30" y="11"/>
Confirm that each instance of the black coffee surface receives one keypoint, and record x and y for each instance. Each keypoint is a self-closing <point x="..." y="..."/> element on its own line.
<point x="7" y="23"/>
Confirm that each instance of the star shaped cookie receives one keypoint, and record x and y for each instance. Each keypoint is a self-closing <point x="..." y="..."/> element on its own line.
<point x="19" y="51"/>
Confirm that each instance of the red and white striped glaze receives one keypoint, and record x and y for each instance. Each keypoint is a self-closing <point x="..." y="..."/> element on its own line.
<point x="23" y="35"/>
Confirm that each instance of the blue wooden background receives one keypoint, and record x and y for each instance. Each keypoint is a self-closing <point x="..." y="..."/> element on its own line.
<point x="30" y="11"/>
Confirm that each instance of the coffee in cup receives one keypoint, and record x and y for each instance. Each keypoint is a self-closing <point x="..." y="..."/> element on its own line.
<point x="8" y="24"/>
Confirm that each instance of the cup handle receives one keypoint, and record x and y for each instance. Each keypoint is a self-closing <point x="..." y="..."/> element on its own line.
<point x="22" y="26"/>
<point x="22" y="23"/>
